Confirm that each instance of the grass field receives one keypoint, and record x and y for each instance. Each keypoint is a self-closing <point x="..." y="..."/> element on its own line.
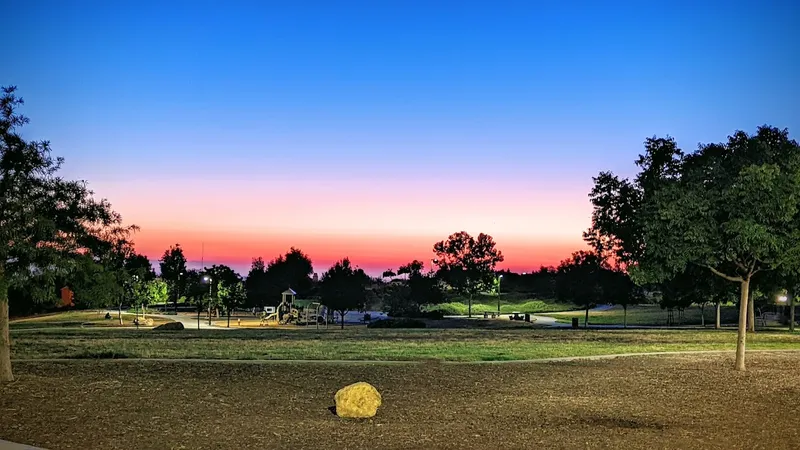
<point x="460" y="308"/>
<point x="76" y="319"/>
<point x="360" y="343"/>
<point x="647" y="315"/>
<point x="639" y="403"/>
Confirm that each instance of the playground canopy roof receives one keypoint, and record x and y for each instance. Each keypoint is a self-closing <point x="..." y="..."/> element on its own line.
<point x="289" y="292"/>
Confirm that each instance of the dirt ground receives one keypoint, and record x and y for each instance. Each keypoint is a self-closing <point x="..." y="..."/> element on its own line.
<point x="640" y="402"/>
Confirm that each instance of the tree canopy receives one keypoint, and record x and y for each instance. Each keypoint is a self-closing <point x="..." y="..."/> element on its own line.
<point x="265" y="282"/>
<point x="466" y="263"/>
<point x="45" y="220"/>
<point x="731" y="208"/>
<point x="342" y="288"/>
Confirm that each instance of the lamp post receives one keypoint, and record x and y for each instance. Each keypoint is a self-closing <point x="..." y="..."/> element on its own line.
<point x="135" y="289"/>
<point x="208" y="279"/>
<point x="499" y="279"/>
<point x="177" y="293"/>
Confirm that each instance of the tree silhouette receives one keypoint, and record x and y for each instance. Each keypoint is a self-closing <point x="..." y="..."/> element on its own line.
<point x="731" y="208"/>
<point x="467" y="264"/>
<point x="173" y="271"/>
<point x="44" y="219"/>
<point x="343" y="288"/>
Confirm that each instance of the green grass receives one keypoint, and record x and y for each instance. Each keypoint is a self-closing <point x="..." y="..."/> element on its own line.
<point x="359" y="343"/>
<point x="651" y="315"/>
<point x="75" y="319"/>
<point x="459" y="308"/>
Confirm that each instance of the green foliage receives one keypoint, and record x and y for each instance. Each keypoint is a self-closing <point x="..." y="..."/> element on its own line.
<point x="343" y="288"/>
<point x="265" y="282"/>
<point x="173" y="270"/>
<point x="467" y="264"/>
<point x="94" y="285"/>
<point x="405" y="299"/>
<point x="231" y="296"/>
<point x="530" y="306"/>
<point x="732" y="207"/>
<point x="397" y="323"/>
<point x="45" y="220"/>
<point x="157" y="291"/>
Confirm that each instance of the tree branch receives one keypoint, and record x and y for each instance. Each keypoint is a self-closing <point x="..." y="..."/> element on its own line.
<point x="727" y="277"/>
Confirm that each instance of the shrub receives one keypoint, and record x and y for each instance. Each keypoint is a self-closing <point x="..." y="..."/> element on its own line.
<point x="397" y="323"/>
<point x="434" y="315"/>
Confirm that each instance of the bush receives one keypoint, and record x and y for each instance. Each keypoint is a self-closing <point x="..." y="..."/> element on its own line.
<point x="397" y="323"/>
<point x="433" y="315"/>
<point x="530" y="306"/>
<point x="169" y="326"/>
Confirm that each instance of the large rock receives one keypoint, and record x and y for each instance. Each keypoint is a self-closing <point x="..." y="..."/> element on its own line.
<point x="169" y="326"/>
<point x="359" y="401"/>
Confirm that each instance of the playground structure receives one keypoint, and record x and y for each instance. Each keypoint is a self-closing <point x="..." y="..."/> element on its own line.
<point x="292" y="311"/>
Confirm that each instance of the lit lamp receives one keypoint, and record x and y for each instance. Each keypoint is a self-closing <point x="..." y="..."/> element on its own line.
<point x="499" y="279"/>
<point x="782" y="298"/>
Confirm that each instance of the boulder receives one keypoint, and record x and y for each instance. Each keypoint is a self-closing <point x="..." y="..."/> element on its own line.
<point x="169" y="326"/>
<point x="358" y="401"/>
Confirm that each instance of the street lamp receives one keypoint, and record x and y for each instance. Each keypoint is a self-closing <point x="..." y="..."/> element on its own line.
<point x="499" y="279"/>
<point x="782" y="298"/>
<point x="135" y="300"/>
<point x="208" y="279"/>
<point x="177" y="293"/>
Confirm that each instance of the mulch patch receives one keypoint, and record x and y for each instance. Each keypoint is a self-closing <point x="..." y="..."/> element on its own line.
<point x="640" y="402"/>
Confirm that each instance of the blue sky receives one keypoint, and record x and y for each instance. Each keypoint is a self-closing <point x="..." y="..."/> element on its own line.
<point x="526" y="98"/>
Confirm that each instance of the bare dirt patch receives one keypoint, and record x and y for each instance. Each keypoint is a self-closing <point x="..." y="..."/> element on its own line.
<point x="639" y="402"/>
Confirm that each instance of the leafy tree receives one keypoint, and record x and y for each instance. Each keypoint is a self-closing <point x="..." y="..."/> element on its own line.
<point x="731" y="208"/>
<point x="467" y="264"/>
<point x="406" y="300"/>
<point x="157" y="291"/>
<point x="44" y="219"/>
<point x="173" y="271"/>
<point x="618" y="289"/>
<point x="578" y="280"/>
<point x="343" y="288"/>
<point x="256" y="283"/>
<point x="139" y="265"/>
<point x="94" y="285"/>
<point x="388" y="273"/>
<point x="292" y="270"/>
<point x="415" y="267"/>
<point x="230" y="297"/>
<point x="224" y="274"/>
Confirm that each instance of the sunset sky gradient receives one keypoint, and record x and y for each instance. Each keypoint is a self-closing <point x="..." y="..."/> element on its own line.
<point x="373" y="131"/>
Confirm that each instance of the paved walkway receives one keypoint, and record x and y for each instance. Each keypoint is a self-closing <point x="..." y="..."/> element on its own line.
<point x="5" y="445"/>
<point x="188" y="321"/>
<point x="389" y="362"/>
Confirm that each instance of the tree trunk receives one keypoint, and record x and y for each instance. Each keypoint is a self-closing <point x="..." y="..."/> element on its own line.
<point x="5" y="339"/>
<point x="791" y="308"/>
<point x="625" y="316"/>
<point x="741" y="338"/>
<point x="718" y="322"/>
<point x="229" y="318"/>
<point x="198" y="317"/>
<point x="342" y="313"/>
<point x="119" y="312"/>
<point x="751" y="313"/>
<point x="469" y="306"/>
<point x="703" y="315"/>
<point x="586" y="320"/>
